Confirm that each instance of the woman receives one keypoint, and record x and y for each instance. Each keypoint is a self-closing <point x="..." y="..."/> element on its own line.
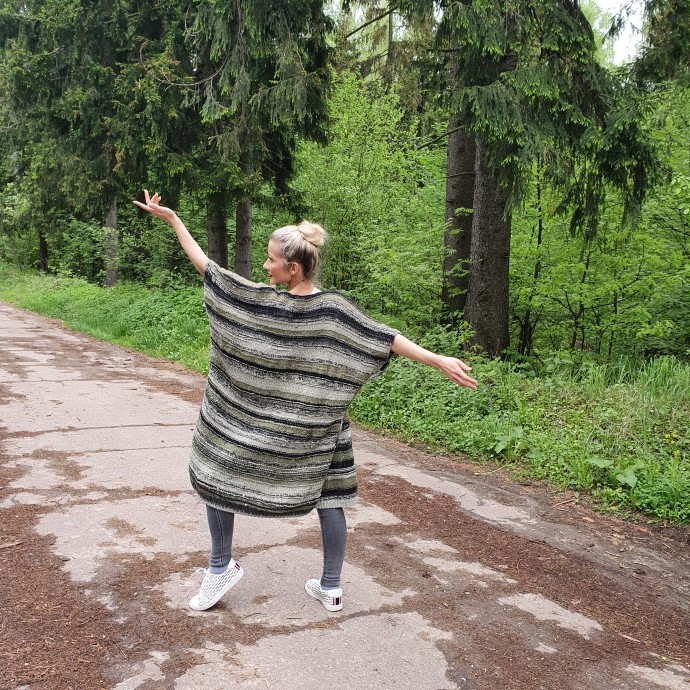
<point x="272" y="437"/>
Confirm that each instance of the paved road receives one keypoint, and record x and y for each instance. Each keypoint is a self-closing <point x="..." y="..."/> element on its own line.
<point x="454" y="577"/>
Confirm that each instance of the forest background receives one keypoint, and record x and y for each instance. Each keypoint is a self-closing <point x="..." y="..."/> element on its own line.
<point x="491" y="183"/>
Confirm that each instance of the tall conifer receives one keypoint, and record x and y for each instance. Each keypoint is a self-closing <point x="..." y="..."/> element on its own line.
<point x="75" y="78"/>
<point x="529" y="87"/>
<point x="263" y="75"/>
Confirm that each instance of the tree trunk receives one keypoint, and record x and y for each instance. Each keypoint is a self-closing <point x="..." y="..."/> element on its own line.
<point x="458" y="233"/>
<point x="578" y="317"/>
<point x="527" y="324"/>
<point x="389" y="66"/>
<point x="243" y="221"/>
<point x="487" y="299"/>
<point x="243" y="238"/>
<point x="613" y="327"/>
<point x="217" y="228"/>
<point x="111" y="242"/>
<point x="42" y="252"/>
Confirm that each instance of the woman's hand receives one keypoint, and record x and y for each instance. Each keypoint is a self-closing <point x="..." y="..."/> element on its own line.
<point x="453" y="368"/>
<point x="456" y="371"/>
<point x="188" y="243"/>
<point x="151" y="205"/>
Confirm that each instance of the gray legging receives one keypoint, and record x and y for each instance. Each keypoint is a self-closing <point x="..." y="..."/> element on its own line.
<point x="333" y="537"/>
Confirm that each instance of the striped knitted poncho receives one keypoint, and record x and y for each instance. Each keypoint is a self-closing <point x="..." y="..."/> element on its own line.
<point x="272" y="437"/>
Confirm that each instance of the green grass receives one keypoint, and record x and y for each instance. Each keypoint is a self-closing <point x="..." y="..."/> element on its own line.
<point x="169" y="324"/>
<point x="616" y="431"/>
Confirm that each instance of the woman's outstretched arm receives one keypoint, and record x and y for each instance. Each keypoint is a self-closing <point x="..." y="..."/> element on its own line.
<point x="189" y="244"/>
<point x="451" y="367"/>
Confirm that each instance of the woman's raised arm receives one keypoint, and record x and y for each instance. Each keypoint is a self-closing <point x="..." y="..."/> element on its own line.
<point x="451" y="367"/>
<point x="189" y="244"/>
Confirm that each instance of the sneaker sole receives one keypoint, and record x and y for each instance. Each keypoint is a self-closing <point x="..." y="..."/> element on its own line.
<point x="218" y="596"/>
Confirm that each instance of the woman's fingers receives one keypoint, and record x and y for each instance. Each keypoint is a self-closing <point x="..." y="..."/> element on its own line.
<point x="149" y="207"/>
<point x="151" y="204"/>
<point x="466" y="381"/>
<point x="455" y="371"/>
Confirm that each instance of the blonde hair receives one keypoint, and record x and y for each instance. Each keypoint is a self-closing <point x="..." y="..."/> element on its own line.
<point x="301" y="243"/>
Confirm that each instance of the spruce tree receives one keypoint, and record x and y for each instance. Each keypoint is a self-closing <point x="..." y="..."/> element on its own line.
<point x="77" y="77"/>
<point x="665" y="50"/>
<point x="529" y="87"/>
<point x="262" y="77"/>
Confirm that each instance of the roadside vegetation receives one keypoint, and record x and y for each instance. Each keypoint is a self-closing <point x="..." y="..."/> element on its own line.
<point x="614" y="431"/>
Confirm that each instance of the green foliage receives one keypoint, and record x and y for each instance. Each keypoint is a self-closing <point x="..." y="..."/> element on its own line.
<point x="261" y="77"/>
<point x="527" y="86"/>
<point x="382" y="45"/>
<point x="88" y="118"/>
<point x="170" y="323"/>
<point x="664" y="53"/>
<point x="530" y="87"/>
<point x="619" y="432"/>
<point x="591" y="296"/>
<point x="149" y="252"/>
<point x="624" y="291"/>
<point x="380" y="199"/>
<point x="80" y="252"/>
<point x="62" y="61"/>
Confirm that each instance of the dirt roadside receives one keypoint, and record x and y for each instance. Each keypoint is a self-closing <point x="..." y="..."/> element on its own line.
<point x="455" y="577"/>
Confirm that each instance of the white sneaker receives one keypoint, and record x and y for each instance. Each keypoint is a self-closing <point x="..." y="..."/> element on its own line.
<point x="332" y="599"/>
<point x="215" y="586"/>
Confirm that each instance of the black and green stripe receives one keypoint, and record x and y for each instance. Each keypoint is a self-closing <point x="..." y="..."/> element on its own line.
<point x="272" y="436"/>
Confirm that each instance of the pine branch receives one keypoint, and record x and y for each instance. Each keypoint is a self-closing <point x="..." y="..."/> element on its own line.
<point x="439" y="137"/>
<point x="371" y="21"/>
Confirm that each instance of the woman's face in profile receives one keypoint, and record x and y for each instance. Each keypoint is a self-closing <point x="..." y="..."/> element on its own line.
<point x="278" y="273"/>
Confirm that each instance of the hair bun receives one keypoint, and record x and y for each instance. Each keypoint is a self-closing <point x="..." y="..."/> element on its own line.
<point x="301" y="243"/>
<point x="312" y="233"/>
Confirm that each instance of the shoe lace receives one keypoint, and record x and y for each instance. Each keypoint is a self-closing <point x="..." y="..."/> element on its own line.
<point x="210" y="584"/>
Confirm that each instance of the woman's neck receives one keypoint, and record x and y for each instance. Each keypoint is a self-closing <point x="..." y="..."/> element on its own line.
<point x="300" y="286"/>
